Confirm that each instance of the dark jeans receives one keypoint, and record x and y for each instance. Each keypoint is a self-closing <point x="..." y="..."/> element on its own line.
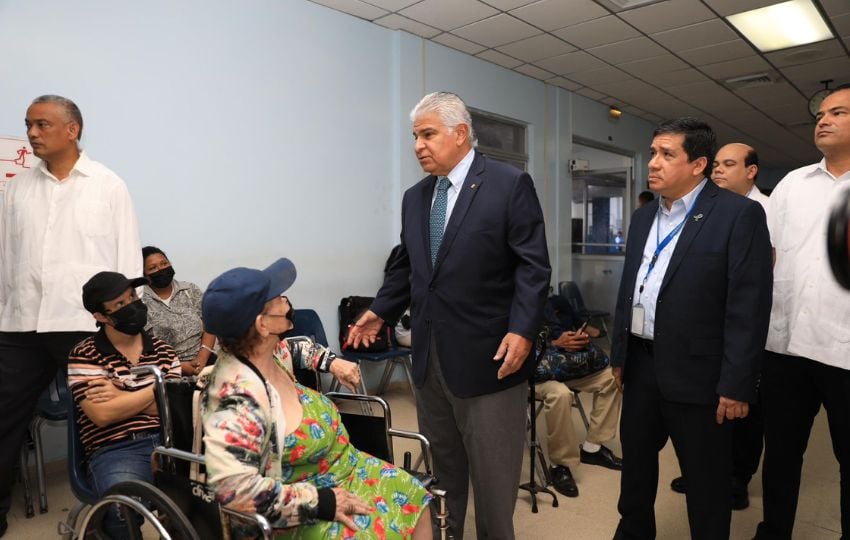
<point x="792" y="391"/>
<point x="118" y="462"/>
<point x="28" y="362"/>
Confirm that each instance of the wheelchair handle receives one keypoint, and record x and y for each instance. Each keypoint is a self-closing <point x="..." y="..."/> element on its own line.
<point x="161" y="400"/>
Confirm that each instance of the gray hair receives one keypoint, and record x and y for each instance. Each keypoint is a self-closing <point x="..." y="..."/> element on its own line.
<point x="71" y="109"/>
<point x="449" y="107"/>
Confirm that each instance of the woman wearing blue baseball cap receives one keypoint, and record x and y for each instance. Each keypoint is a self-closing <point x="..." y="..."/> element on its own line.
<point x="279" y="449"/>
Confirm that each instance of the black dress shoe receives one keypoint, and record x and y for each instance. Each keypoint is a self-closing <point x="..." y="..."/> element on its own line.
<point x="563" y="481"/>
<point x="3" y="524"/>
<point x="678" y="485"/>
<point x="603" y="457"/>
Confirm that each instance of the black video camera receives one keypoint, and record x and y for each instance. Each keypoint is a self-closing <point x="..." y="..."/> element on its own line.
<point x="838" y="240"/>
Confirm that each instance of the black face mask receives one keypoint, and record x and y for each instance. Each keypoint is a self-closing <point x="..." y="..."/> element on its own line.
<point x="162" y="278"/>
<point x="290" y="316"/>
<point x="130" y="319"/>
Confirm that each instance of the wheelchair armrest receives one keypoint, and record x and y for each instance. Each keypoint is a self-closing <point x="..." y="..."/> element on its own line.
<point x="424" y="444"/>
<point x="260" y="521"/>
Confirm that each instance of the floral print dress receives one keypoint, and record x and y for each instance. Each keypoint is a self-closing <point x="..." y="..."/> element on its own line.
<point x="318" y="452"/>
<point x="254" y="467"/>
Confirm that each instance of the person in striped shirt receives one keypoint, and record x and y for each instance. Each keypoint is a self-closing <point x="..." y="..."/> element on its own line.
<point x="117" y="415"/>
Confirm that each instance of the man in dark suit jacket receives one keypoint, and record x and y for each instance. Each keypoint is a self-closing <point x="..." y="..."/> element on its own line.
<point x="474" y="268"/>
<point x="691" y="322"/>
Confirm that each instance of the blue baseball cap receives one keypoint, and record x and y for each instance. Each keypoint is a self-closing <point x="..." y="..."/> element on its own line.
<point x="233" y="300"/>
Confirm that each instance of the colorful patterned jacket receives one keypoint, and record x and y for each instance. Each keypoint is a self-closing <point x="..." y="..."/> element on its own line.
<point x="244" y="431"/>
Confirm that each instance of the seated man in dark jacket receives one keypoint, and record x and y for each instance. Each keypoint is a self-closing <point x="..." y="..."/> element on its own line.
<point x="557" y="396"/>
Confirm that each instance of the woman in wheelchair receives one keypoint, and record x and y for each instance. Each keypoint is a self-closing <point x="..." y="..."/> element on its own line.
<point x="117" y="414"/>
<point x="279" y="449"/>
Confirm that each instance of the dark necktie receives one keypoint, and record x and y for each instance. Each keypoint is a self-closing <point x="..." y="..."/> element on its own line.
<point x="438" y="217"/>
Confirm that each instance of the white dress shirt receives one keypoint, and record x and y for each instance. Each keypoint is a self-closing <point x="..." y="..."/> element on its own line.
<point x="811" y="312"/>
<point x="54" y="236"/>
<point x="456" y="177"/>
<point x="667" y="220"/>
<point x="756" y="195"/>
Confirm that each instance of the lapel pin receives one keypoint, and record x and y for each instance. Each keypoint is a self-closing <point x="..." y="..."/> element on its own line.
<point x="472" y="186"/>
<point x="697" y="217"/>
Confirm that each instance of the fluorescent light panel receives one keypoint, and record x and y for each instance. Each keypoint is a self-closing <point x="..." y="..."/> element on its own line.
<point x="780" y="26"/>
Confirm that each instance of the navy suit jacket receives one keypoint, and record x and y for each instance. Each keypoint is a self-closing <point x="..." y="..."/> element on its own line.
<point x="490" y="278"/>
<point x="713" y="308"/>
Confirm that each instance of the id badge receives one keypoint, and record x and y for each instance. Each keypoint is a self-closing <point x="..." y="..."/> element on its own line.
<point x="637" y="320"/>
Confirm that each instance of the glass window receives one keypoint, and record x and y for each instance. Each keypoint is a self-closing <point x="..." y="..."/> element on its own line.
<point x="501" y="138"/>
<point x="597" y="208"/>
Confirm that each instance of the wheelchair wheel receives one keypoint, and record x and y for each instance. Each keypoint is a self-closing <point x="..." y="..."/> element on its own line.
<point x="157" y="510"/>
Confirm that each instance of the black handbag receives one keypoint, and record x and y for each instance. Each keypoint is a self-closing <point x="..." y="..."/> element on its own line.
<point x="557" y="364"/>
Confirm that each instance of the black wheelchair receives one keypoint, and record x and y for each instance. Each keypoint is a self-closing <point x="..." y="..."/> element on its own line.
<point x="179" y="504"/>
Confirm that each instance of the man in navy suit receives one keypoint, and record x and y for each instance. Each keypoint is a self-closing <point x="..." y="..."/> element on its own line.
<point x="691" y="322"/>
<point x="474" y="268"/>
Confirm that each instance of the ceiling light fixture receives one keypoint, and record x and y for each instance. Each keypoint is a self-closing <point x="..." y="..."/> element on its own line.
<point x="788" y="24"/>
<point x="614" y="112"/>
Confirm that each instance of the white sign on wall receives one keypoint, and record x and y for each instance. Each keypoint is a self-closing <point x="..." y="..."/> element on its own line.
<point x="15" y="157"/>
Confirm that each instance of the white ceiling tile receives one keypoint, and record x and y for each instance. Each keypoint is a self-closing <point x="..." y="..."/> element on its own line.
<point x="397" y="22"/>
<point x="571" y="63"/>
<point x="807" y="77"/>
<point x="590" y="93"/>
<point x="498" y="58"/>
<point x="736" y="68"/>
<point x="701" y="34"/>
<point x="651" y="66"/>
<point x="631" y="90"/>
<point x="625" y="51"/>
<point x="464" y="45"/>
<point x="448" y="14"/>
<point x="537" y="47"/>
<point x="497" y="30"/>
<point x="805" y="131"/>
<point x="667" y="15"/>
<point x="701" y="87"/>
<point x="842" y="24"/>
<point x="790" y="113"/>
<point x="633" y="110"/>
<point x="836" y="7"/>
<point x="806" y="54"/>
<point x="600" y="76"/>
<point x="718" y="101"/>
<point x="534" y="71"/>
<point x="597" y="32"/>
<point x="720" y="52"/>
<point x="552" y="14"/>
<point x="506" y="5"/>
<point x="392" y="5"/>
<point x="772" y="96"/>
<point x="730" y="7"/>
<point x="564" y="83"/>
<point x="682" y="76"/>
<point x="354" y="7"/>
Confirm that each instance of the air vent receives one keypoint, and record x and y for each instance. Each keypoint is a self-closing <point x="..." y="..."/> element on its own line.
<point x="750" y="81"/>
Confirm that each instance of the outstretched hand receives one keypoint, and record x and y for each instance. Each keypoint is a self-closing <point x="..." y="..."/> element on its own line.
<point x="365" y="330"/>
<point x="514" y="350"/>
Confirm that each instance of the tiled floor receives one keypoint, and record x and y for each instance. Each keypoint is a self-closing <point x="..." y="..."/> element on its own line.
<point x="593" y="515"/>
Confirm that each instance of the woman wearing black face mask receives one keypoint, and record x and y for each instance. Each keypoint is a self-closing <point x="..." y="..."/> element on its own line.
<point x="116" y="410"/>
<point x="174" y="312"/>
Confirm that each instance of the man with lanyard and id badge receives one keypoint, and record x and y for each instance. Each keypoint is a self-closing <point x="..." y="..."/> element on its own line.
<point x="691" y="321"/>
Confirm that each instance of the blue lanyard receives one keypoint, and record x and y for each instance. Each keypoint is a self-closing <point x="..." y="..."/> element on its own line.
<point x="661" y="244"/>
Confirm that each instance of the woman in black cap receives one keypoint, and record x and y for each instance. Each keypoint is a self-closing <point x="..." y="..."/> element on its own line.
<point x="279" y="449"/>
